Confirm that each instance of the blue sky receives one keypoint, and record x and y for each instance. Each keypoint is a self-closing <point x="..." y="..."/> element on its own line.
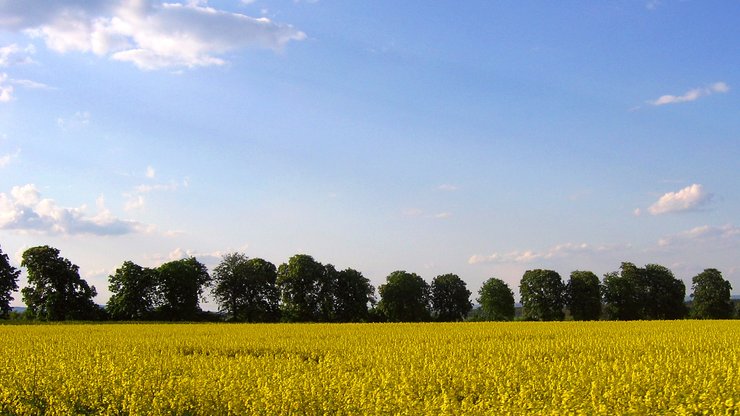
<point x="479" y="138"/>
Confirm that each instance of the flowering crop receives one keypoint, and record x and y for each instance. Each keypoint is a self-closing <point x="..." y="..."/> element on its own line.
<point x="680" y="367"/>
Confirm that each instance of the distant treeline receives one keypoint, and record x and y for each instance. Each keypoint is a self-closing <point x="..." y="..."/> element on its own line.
<point x="305" y="290"/>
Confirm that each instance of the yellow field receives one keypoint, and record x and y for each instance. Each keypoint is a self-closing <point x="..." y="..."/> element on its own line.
<point x="683" y="367"/>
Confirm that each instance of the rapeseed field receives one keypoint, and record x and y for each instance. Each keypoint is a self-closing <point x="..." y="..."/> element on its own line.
<point x="677" y="367"/>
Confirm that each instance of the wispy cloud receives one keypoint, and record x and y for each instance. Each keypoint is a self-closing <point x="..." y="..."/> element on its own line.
<point x="6" y="90"/>
<point x="7" y="158"/>
<point x="418" y="213"/>
<point x="703" y="234"/>
<point x="77" y="120"/>
<point x="692" y="95"/>
<point x="24" y="210"/>
<point x="151" y="35"/>
<point x="559" y="251"/>
<point x="15" y="55"/>
<point x="136" y="198"/>
<point x="689" y="198"/>
<point x="447" y="187"/>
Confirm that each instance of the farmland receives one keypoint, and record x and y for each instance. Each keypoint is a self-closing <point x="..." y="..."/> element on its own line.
<point x="676" y="367"/>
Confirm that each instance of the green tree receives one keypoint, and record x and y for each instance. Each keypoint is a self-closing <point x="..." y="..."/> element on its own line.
<point x="353" y="295"/>
<point x="56" y="292"/>
<point x="624" y="293"/>
<point x="664" y="296"/>
<point x="134" y="291"/>
<point x="711" y="296"/>
<point x="404" y="298"/>
<point x="496" y="300"/>
<point x="583" y="296"/>
<point x="180" y="287"/>
<point x="300" y="282"/>
<point x="542" y="295"/>
<point x="450" y="298"/>
<point x="8" y="284"/>
<point x="326" y="287"/>
<point x="245" y="288"/>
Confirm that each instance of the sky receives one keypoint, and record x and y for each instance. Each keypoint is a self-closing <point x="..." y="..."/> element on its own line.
<point x="478" y="138"/>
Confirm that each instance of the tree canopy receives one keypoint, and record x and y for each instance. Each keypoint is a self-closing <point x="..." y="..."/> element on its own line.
<point x="300" y="281"/>
<point x="55" y="290"/>
<point x="711" y="296"/>
<point x="651" y="292"/>
<point x="245" y="288"/>
<point x="583" y="296"/>
<point x="404" y="297"/>
<point x="8" y="284"/>
<point x="133" y="292"/>
<point x="542" y="295"/>
<point x="450" y="298"/>
<point x="496" y="300"/>
<point x="180" y="286"/>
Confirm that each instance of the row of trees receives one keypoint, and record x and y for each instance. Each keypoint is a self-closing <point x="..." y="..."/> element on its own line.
<point x="304" y="290"/>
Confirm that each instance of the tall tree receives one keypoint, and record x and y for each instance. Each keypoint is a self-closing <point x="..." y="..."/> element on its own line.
<point x="496" y="300"/>
<point x="664" y="294"/>
<point x="180" y="287"/>
<point x="326" y="287"/>
<point x="404" y="297"/>
<point x="624" y="293"/>
<point x="450" y="298"/>
<point x="583" y="296"/>
<point x="245" y="288"/>
<point x="134" y="290"/>
<point x="56" y="292"/>
<point x="711" y="296"/>
<point x="299" y="281"/>
<point x="8" y="284"/>
<point x="353" y="295"/>
<point x="542" y="295"/>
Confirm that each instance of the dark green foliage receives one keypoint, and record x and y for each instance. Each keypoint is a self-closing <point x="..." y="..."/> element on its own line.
<point x="623" y="293"/>
<point x="300" y="281"/>
<point x="180" y="286"/>
<point x="56" y="292"/>
<point x="583" y="296"/>
<point x="496" y="301"/>
<point x="404" y="298"/>
<point x="651" y="292"/>
<point x="711" y="296"/>
<point x="8" y="284"/>
<point x="664" y="294"/>
<point x="353" y="294"/>
<point x="542" y="295"/>
<point x="134" y="291"/>
<point x="450" y="298"/>
<point x="245" y="289"/>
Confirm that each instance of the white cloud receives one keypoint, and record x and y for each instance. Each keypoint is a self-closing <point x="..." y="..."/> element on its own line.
<point x="447" y="187"/>
<point x="687" y="199"/>
<point x="559" y="251"/>
<point x="24" y="210"/>
<point x="135" y="199"/>
<point x="7" y="158"/>
<point x="703" y="234"/>
<point x="15" y="55"/>
<point x="692" y="95"/>
<point x="77" y="120"/>
<point x="652" y="4"/>
<point x="442" y="215"/>
<point x="151" y="35"/>
<point x="6" y="90"/>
